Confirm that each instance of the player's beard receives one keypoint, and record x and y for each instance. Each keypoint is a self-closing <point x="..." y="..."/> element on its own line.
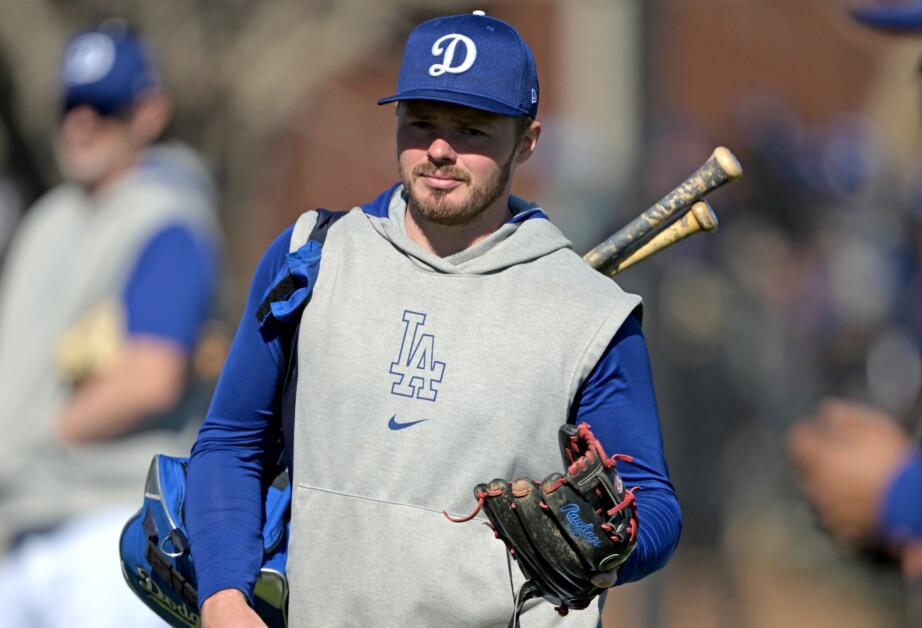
<point x="92" y="164"/>
<point x="436" y="206"/>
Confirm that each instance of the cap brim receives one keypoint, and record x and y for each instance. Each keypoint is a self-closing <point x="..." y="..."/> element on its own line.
<point x="889" y="18"/>
<point x="466" y="100"/>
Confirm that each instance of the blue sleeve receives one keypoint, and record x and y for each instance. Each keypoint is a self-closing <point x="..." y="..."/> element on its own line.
<point x="902" y="514"/>
<point x="169" y="291"/>
<point x="618" y="401"/>
<point x="224" y="505"/>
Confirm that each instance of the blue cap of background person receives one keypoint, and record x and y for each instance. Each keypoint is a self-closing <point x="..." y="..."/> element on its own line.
<point x="470" y="60"/>
<point x="891" y="15"/>
<point x="106" y="68"/>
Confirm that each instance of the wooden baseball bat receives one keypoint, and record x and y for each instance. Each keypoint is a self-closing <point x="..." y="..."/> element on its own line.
<point x="720" y="168"/>
<point x="700" y="217"/>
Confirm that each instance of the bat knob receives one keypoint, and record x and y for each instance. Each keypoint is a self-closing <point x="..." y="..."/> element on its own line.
<point x="728" y="162"/>
<point x="704" y="215"/>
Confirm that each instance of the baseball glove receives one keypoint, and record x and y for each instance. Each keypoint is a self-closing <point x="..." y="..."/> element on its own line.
<point x="567" y="528"/>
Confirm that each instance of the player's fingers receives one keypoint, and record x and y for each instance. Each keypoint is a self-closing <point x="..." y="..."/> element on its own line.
<point x="847" y="419"/>
<point x="912" y="561"/>
<point x="829" y="406"/>
<point x="804" y="444"/>
<point x="833" y="417"/>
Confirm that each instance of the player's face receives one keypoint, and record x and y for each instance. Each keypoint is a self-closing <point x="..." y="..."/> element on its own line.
<point x="456" y="162"/>
<point x="90" y="147"/>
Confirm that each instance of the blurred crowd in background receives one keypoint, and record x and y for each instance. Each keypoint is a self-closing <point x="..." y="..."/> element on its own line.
<point x="812" y="284"/>
<point x="809" y="287"/>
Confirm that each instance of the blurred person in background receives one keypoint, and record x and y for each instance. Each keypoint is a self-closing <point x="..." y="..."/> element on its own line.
<point x="105" y="288"/>
<point x="861" y="469"/>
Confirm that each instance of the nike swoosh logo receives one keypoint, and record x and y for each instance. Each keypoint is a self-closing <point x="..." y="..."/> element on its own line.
<point x="394" y="425"/>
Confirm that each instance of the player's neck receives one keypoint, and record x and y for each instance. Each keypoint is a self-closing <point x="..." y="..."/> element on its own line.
<point x="445" y="240"/>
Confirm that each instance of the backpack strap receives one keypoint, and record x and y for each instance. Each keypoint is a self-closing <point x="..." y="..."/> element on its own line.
<point x="284" y="303"/>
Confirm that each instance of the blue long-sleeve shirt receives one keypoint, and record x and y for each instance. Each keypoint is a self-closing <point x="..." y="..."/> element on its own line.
<point x="224" y="504"/>
<point x="902" y="510"/>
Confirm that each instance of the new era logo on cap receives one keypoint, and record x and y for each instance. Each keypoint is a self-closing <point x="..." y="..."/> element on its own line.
<point x="470" y="60"/>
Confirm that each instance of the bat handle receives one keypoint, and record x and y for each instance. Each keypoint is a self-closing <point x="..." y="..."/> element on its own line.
<point x="700" y="217"/>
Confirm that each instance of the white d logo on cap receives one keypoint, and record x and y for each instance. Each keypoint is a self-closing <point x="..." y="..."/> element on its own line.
<point x="90" y="58"/>
<point x="470" y="53"/>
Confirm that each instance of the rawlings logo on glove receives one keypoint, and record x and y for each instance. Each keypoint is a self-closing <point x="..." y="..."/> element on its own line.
<point x="566" y="529"/>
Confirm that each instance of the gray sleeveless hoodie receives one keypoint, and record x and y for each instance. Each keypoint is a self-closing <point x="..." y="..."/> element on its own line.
<point x="72" y="253"/>
<point x="420" y="377"/>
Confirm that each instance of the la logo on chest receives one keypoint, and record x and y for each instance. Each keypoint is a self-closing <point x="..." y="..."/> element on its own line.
<point x="417" y="373"/>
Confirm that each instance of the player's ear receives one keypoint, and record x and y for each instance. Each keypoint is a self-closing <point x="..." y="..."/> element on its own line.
<point x="151" y="117"/>
<point x="528" y="140"/>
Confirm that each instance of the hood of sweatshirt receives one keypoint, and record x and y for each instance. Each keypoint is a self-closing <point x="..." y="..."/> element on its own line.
<point x="529" y="235"/>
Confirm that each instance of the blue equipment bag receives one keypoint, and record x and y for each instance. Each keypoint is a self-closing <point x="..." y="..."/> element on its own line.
<point x="154" y="545"/>
<point x="155" y="554"/>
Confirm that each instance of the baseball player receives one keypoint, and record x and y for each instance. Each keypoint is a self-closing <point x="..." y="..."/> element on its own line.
<point x="450" y="331"/>
<point x="108" y="280"/>
<point x="859" y="468"/>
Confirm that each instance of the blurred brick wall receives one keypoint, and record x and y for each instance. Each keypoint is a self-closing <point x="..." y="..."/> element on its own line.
<point x="705" y="55"/>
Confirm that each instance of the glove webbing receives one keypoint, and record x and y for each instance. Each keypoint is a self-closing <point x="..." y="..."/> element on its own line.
<point x="528" y="590"/>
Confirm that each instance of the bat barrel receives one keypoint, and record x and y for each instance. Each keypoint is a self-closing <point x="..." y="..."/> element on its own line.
<point x="720" y="168"/>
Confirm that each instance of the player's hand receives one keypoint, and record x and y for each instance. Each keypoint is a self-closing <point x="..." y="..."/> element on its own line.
<point x="847" y="455"/>
<point x="911" y="561"/>
<point x="229" y="609"/>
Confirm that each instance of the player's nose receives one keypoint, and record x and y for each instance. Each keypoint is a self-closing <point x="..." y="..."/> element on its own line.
<point x="441" y="150"/>
<point x="79" y="123"/>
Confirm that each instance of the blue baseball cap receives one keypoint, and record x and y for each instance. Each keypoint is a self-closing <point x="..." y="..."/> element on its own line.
<point x="471" y="60"/>
<point x="891" y="15"/>
<point x="107" y="68"/>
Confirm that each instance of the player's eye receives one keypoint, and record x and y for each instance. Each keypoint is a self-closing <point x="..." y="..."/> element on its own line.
<point x="473" y="132"/>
